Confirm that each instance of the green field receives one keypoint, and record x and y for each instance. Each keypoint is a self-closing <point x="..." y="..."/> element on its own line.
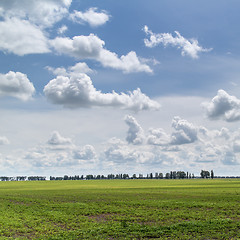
<point x="120" y="209"/>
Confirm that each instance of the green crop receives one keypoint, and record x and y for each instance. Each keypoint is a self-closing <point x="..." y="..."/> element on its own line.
<point x="120" y="209"/>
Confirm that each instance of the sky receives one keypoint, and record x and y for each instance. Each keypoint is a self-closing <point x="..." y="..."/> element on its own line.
<point x="100" y="87"/>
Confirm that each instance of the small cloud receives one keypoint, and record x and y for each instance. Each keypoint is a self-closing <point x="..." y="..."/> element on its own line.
<point x="80" y="67"/>
<point x="188" y="47"/>
<point x="57" y="139"/>
<point x="62" y="29"/>
<point x="92" y="16"/>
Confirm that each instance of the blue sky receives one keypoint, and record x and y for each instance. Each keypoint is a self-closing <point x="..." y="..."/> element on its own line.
<point x="89" y="87"/>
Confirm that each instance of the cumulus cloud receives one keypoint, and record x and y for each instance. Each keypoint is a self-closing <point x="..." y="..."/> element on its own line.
<point x="80" y="67"/>
<point x="85" y="153"/>
<point x="91" y="16"/>
<point x="60" y="151"/>
<point x="57" y="139"/>
<point x="135" y="134"/>
<point x="118" y="152"/>
<point x="77" y="91"/>
<point x="223" y="106"/>
<point x="21" y="37"/>
<point x="23" y="24"/>
<point x="185" y="132"/>
<point x="4" y="140"/>
<point x="44" y="13"/>
<point x="188" y="47"/>
<point x="158" y="137"/>
<point x="16" y="84"/>
<point x="92" y="47"/>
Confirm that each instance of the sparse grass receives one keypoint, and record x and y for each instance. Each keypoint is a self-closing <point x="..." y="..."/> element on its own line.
<point x="121" y="209"/>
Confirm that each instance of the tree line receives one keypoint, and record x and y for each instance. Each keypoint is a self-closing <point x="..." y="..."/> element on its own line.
<point x="168" y="175"/>
<point x="22" y="178"/>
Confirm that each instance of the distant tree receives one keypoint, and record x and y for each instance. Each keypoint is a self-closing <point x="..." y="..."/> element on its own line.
<point x="151" y="176"/>
<point x="160" y="175"/>
<point x="140" y="176"/>
<point x="167" y="175"/>
<point x="89" y="177"/>
<point x="174" y="175"/>
<point x="125" y="176"/>
<point x="21" y="178"/>
<point x="181" y="175"/>
<point x="110" y="176"/>
<point x="65" y="177"/>
<point x="205" y="174"/>
<point x="212" y="174"/>
<point x="134" y="176"/>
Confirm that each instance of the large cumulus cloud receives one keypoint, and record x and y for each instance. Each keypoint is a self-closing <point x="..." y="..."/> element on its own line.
<point x="23" y="24"/>
<point x="78" y="91"/>
<point x="223" y="106"/>
<point x="16" y="84"/>
<point x="92" y="47"/>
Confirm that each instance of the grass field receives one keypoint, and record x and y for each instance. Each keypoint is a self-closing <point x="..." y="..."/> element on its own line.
<point x="120" y="209"/>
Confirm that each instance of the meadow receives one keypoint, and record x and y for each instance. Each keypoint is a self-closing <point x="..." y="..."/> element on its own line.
<point x="120" y="209"/>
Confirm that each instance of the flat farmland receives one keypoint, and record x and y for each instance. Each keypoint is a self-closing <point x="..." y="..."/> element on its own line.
<point x="120" y="209"/>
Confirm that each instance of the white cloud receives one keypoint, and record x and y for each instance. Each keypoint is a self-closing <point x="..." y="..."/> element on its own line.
<point x="223" y="106"/>
<point x="44" y="13"/>
<point x="78" y="91"/>
<point x="188" y="47"/>
<point x="78" y="68"/>
<point x="21" y="37"/>
<point x="85" y="153"/>
<point x="185" y="132"/>
<point x="59" y="152"/>
<point x="92" y="47"/>
<point x="118" y="152"/>
<point x="62" y="29"/>
<point x="4" y="140"/>
<point x="23" y="25"/>
<point x="57" y="139"/>
<point x="135" y="134"/>
<point x="91" y="16"/>
<point x="158" y="137"/>
<point x="16" y="84"/>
